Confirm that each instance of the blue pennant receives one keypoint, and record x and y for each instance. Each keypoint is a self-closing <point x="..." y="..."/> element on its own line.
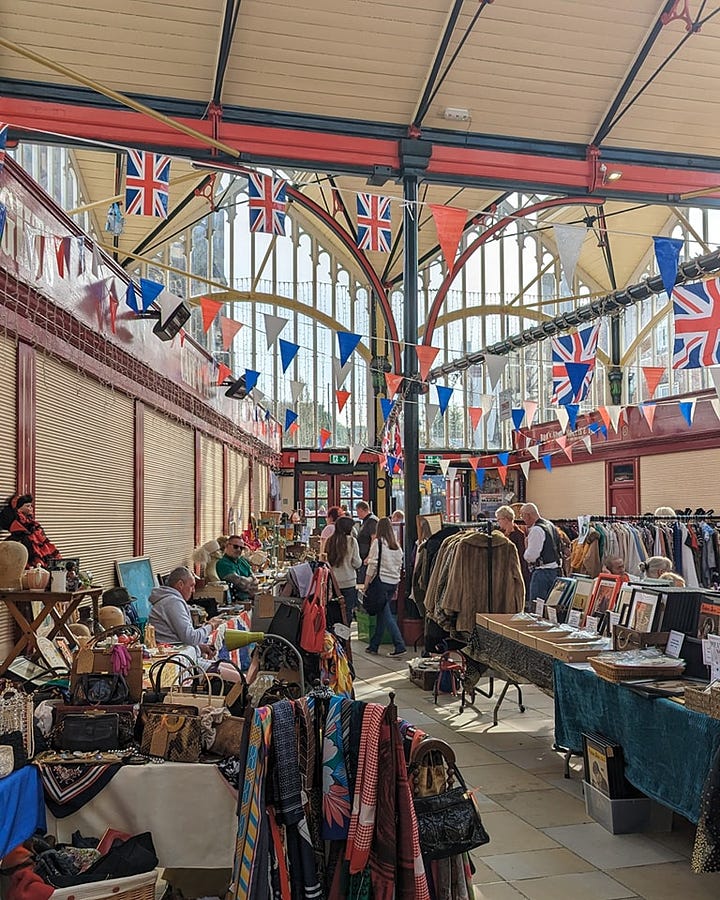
<point x="594" y="427"/>
<point x="251" y="379"/>
<point x="480" y="473"/>
<point x="387" y="407"/>
<point x="444" y="394"/>
<point x="503" y="457"/>
<point x="667" y="254"/>
<point x="131" y="298"/>
<point x="347" y="341"/>
<point x="288" y="351"/>
<point x="517" y="416"/>
<point x="290" y="417"/>
<point x="686" y="408"/>
<point x="391" y="463"/>
<point x="603" y="429"/>
<point x="572" y="411"/>
<point x="3" y="217"/>
<point x="547" y="462"/>
<point x="576" y="373"/>
<point x="150" y="291"/>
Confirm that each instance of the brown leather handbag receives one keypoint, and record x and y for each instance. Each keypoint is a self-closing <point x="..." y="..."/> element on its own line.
<point x="173" y="736"/>
<point x="228" y="737"/>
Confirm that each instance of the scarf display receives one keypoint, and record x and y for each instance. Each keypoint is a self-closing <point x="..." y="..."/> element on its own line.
<point x="336" y="793"/>
<point x="69" y="787"/>
<point x="362" y="820"/>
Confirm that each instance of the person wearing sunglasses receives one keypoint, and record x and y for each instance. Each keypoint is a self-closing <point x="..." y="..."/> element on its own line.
<point x="234" y="568"/>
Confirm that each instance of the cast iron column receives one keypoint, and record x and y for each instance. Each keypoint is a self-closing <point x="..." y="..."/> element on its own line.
<point x="410" y="407"/>
<point x="615" y="375"/>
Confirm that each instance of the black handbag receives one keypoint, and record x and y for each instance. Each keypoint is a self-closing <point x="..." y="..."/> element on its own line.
<point x="99" y="731"/>
<point x="375" y="595"/>
<point x="286" y="623"/>
<point x="449" y="822"/>
<point x="95" y="689"/>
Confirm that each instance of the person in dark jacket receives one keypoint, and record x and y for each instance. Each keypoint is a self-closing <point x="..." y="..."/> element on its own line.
<point x="365" y="534"/>
<point x="542" y="553"/>
<point x="505" y="516"/>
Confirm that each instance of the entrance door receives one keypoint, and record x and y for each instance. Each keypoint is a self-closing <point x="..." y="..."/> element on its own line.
<point x="319" y="491"/>
<point x="623" y="493"/>
<point x="351" y="489"/>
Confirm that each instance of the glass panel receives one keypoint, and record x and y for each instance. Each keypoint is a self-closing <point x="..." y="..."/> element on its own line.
<point x="310" y="506"/>
<point x="345" y="490"/>
<point x="358" y="489"/>
<point x="322" y="489"/>
<point x="310" y="489"/>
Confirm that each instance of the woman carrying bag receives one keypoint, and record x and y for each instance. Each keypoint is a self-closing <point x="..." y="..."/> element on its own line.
<point x="385" y="564"/>
<point x="343" y="555"/>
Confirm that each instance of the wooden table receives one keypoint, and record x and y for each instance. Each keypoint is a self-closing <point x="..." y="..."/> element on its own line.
<point x="59" y="605"/>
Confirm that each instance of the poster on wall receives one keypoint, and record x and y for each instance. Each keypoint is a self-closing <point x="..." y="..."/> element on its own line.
<point x="486" y="498"/>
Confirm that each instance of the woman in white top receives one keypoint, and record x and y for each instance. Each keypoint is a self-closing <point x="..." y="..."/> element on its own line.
<point x="391" y="561"/>
<point x="343" y="555"/>
<point x="333" y="515"/>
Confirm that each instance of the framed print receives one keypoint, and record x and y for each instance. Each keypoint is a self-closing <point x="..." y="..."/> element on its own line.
<point x="604" y="768"/>
<point x="642" y="614"/>
<point x="581" y="597"/>
<point x="557" y="592"/>
<point x="709" y="621"/>
<point x="623" y="604"/>
<point x="604" y="594"/>
<point x="434" y="521"/>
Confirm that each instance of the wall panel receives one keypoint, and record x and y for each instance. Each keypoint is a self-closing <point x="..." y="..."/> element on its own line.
<point x="680" y="480"/>
<point x="568" y="491"/>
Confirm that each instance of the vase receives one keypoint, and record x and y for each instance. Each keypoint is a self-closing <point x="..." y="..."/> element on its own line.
<point x="13" y="559"/>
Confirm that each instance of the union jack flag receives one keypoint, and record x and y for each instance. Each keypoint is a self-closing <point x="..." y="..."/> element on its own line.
<point x="3" y="142"/>
<point x="267" y="203"/>
<point x="146" y="184"/>
<point x="696" y="310"/>
<point x="580" y="347"/>
<point x="374" y="232"/>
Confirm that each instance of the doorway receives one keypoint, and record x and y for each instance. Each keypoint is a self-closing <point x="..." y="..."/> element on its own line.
<point x="318" y="491"/>
<point x="623" y="489"/>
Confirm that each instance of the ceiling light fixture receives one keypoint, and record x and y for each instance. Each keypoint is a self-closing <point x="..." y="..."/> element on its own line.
<point x="608" y="176"/>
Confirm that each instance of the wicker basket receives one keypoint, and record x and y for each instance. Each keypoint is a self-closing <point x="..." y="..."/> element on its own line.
<point x="611" y="672"/>
<point x="135" y="887"/>
<point x="701" y="700"/>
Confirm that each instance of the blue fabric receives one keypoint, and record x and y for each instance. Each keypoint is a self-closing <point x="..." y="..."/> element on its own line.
<point x="22" y="808"/>
<point x="668" y="749"/>
<point x="386" y="619"/>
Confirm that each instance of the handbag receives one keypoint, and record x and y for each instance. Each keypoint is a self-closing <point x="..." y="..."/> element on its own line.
<point x="375" y="594"/>
<point x="448" y="822"/>
<point x="92" y="731"/>
<point x="312" y="632"/>
<point x="158" y="687"/>
<point x="16" y="714"/>
<point x="13" y="740"/>
<point x="174" y="737"/>
<point x="98" y="660"/>
<point x="125" y="716"/>
<point x="100" y="689"/>
<point x="228" y="737"/>
<point x="286" y="622"/>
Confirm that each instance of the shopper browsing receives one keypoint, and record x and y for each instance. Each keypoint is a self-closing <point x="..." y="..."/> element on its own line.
<point x="542" y="553"/>
<point x="391" y="560"/>
<point x="344" y="558"/>
<point x="170" y="614"/>
<point x="365" y="534"/>
<point x="333" y="515"/>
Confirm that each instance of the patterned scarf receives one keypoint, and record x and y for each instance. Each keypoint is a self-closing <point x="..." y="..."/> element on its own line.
<point x="362" y="820"/>
<point x="383" y="859"/>
<point x="411" y="880"/>
<point x="68" y="788"/>
<point x="336" y="794"/>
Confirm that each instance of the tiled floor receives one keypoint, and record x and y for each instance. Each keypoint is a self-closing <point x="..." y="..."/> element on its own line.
<point x="543" y="845"/>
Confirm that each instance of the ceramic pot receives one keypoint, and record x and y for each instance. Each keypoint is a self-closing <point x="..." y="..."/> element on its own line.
<point x="35" y="579"/>
<point x="13" y="559"/>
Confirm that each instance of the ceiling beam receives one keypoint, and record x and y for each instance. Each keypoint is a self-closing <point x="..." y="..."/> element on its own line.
<point x="232" y="9"/>
<point x="425" y="99"/>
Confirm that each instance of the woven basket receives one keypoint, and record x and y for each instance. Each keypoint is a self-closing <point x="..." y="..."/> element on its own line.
<point x="704" y="701"/>
<point x="135" y="887"/>
<point x="611" y="672"/>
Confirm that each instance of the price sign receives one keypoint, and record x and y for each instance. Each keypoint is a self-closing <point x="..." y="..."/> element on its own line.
<point x="574" y="617"/>
<point x="539" y="607"/>
<point x="552" y="615"/>
<point x="591" y="624"/>
<point x="674" y="644"/>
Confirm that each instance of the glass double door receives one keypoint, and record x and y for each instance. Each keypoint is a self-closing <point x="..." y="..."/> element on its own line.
<point x="317" y="492"/>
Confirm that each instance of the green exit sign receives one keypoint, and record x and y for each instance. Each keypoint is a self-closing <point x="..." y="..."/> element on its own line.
<point x="339" y="458"/>
<point x="432" y="460"/>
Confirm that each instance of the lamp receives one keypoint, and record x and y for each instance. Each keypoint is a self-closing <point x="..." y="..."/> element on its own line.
<point x="235" y="639"/>
<point x="168" y="322"/>
<point x="609" y="176"/>
<point x="236" y="389"/>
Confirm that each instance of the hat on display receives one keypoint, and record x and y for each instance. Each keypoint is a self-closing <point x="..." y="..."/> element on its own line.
<point x="117" y="596"/>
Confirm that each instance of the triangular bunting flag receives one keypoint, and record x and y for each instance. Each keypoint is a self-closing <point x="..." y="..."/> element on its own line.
<point x="517" y="416"/>
<point x="687" y="408"/>
<point x="296" y="389"/>
<point x="288" y="352"/>
<point x="572" y="411"/>
<point x="431" y="413"/>
<point x="347" y="341"/>
<point x="480" y="475"/>
<point x="421" y="469"/>
<point x="273" y="326"/>
<point x="715" y="375"/>
<point x="474" y="462"/>
<point x="563" y="417"/>
<point x="131" y="298"/>
<point x="443" y="394"/>
<point x="486" y="402"/>
<point x="210" y="308"/>
<point x="390" y="463"/>
<point x="61" y="251"/>
<point x="444" y="466"/>
<point x="504" y="457"/>
<point x="325" y="436"/>
<point x="355" y="453"/>
<point x="426" y="357"/>
<point x="96" y="260"/>
<point x="340" y="373"/>
<point x="228" y="328"/>
<point x="569" y="240"/>
<point x="502" y="472"/>
<point x="223" y="373"/>
<point x="494" y="366"/>
<point x="534" y="451"/>
<point x="561" y="440"/>
<point x="450" y="224"/>
<point x="667" y="254"/>
<point x="604" y="415"/>
<point x="290" y="417"/>
<point x="342" y="399"/>
<point x="653" y="375"/>
<point x="452" y="473"/>
<point x="614" y="413"/>
<point x="525" y="466"/>
<point x="294" y="428"/>
<point x="251" y="379"/>
<point x="113" y="303"/>
<point x="393" y="383"/>
<point x="387" y="407"/>
<point x="530" y="407"/>
<point x="587" y="440"/>
<point x="648" y="410"/>
<point x="547" y="462"/>
<point x="150" y="291"/>
<point x="475" y="416"/>
<point x="576" y="372"/>
<point x="715" y="403"/>
<point x="568" y="451"/>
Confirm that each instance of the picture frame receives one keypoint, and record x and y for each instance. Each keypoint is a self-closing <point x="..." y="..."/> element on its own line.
<point x="603" y="765"/>
<point x="604" y="594"/>
<point x="642" y="613"/>
<point x="560" y="596"/>
<point x="623" y="603"/>
<point x="434" y="520"/>
<point x="57" y="565"/>
<point x="582" y="594"/>
<point x="709" y="620"/>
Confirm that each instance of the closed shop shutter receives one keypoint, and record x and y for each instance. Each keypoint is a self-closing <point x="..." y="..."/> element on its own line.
<point x="8" y="482"/>
<point x="238" y="490"/>
<point x="568" y="491"/>
<point x="211" y="499"/>
<point x="84" y="468"/>
<point x="169" y="492"/>
<point x="260" y="489"/>
<point x="680" y="480"/>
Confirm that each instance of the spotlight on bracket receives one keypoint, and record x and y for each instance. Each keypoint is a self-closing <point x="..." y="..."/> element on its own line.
<point x="236" y="389"/>
<point x="168" y="324"/>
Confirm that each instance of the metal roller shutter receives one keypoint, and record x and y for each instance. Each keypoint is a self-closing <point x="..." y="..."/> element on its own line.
<point x="169" y="492"/>
<point x="84" y="468"/>
<point x="576" y="490"/>
<point x="8" y="479"/>
<point x="260" y="488"/>
<point x="238" y="490"/>
<point x="680" y="480"/>
<point x="211" y="498"/>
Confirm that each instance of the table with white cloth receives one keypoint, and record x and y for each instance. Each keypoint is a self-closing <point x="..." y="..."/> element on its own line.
<point x="189" y="808"/>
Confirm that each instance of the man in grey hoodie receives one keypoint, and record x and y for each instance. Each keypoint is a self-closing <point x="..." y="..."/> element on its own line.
<point x="170" y="615"/>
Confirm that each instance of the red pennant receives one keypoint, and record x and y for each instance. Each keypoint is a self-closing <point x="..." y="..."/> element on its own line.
<point x="182" y="337"/>
<point x="223" y="373"/>
<point x="336" y="201"/>
<point x="475" y="416"/>
<point x="60" y="255"/>
<point x="421" y="469"/>
<point x="101" y="312"/>
<point x="426" y="357"/>
<point x="648" y="410"/>
<point x="604" y="415"/>
<point x="325" y="436"/>
<point x="653" y="376"/>
<point x="210" y="308"/>
<point x="502" y="472"/>
<point x="114" y="303"/>
<point x="450" y="224"/>
<point x="393" y="383"/>
<point x="342" y="399"/>
<point x="474" y="460"/>
<point x="229" y="328"/>
<point x="293" y="428"/>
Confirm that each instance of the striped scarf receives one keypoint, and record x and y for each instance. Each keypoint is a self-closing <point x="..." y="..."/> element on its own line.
<point x="362" y="820"/>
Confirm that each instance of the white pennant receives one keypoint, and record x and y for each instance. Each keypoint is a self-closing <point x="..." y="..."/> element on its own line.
<point x="257" y="395"/>
<point x="452" y="473"/>
<point x="444" y="466"/>
<point x="341" y="373"/>
<point x="355" y="453"/>
<point x="29" y="237"/>
<point x="273" y="326"/>
<point x="716" y="407"/>
<point x="486" y="403"/>
<point x="614" y="412"/>
<point x="587" y="440"/>
<point x="534" y="451"/>
<point x="569" y="240"/>
<point x="431" y="414"/>
<point x="167" y="303"/>
<point x="296" y="389"/>
<point x="96" y="259"/>
<point x="530" y="407"/>
<point x="715" y="375"/>
<point x="495" y="366"/>
<point x="562" y="417"/>
<point x="525" y="466"/>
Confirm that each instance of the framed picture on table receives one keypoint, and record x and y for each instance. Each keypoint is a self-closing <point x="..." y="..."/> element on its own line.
<point x="623" y="604"/>
<point x="643" y="611"/>
<point x="581" y="595"/>
<point x="605" y="592"/>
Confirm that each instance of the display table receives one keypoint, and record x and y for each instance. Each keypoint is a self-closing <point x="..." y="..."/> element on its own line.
<point x="668" y="749"/>
<point x="189" y="809"/>
<point x="59" y="606"/>
<point x="22" y="810"/>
